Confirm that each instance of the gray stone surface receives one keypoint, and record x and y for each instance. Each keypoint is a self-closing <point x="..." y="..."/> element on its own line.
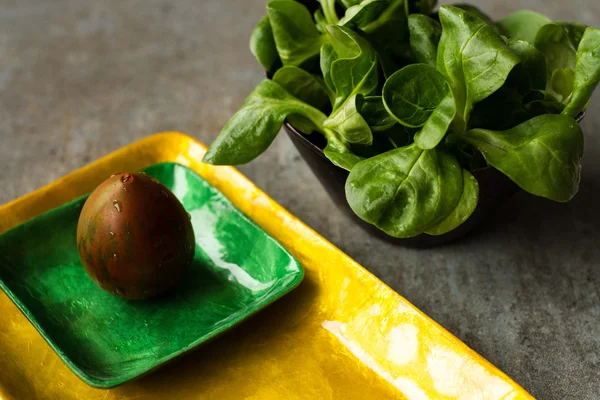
<point x="79" y="79"/>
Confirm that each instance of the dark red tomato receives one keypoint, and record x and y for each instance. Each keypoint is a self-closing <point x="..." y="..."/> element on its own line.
<point x="134" y="237"/>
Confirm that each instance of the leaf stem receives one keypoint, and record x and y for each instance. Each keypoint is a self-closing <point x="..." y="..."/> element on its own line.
<point x="334" y="141"/>
<point x="329" y="11"/>
<point x="459" y="126"/>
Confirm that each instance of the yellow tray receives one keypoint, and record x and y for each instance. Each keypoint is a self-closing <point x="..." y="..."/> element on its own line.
<point x="342" y="334"/>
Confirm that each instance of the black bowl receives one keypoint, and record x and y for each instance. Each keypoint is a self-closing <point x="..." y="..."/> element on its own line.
<point x="494" y="190"/>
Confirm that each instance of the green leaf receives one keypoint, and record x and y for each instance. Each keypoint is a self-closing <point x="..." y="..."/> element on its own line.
<point x="412" y="94"/>
<point x="345" y="160"/>
<point x="406" y="190"/>
<point x="296" y="37"/>
<point x="262" y="44"/>
<point x="374" y="112"/>
<point x="562" y="83"/>
<point x="338" y="152"/>
<point x="558" y="55"/>
<point x="506" y="108"/>
<point x="537" y="95"/>
<point x="355" y="69"/>
<point x="425" y="35"/>
<point x="587" y="72"/>
<point x="320" y="21"/>
<point x="523" y="24"/>
<point x="389" y="32"/>
<point x="394" y="13"/>
<point x="543" y="155"/>
<point x="328" y="56"/>
<point x="382" y="142"/>
<point x="473" y="58"/>
<point x="437" y="124"/>
<point x="559" y="41"/>
<point x="254" y="126"/>
<point x="388" y="66"/>
<point x="477" y="12"/>
<point x="574" y="32"/>
<point x="302" y="123"/>
<point x="530" y="73"/>
<point x="348" y="124"/>
<point x="540" y="102"/>
<point x="463" y="210"/>
<point x="304" y="86"/>
<point x="360" y="15"/>
<point x="328" y="7"/>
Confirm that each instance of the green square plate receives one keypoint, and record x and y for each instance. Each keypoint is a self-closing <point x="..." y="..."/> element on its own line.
<point x="238" y="269"/>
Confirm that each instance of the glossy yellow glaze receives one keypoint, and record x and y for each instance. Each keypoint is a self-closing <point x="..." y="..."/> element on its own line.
<point x="342" y="334"/>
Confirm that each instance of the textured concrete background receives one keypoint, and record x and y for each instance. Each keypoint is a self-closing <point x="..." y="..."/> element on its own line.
<point x="79" y="79"/>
